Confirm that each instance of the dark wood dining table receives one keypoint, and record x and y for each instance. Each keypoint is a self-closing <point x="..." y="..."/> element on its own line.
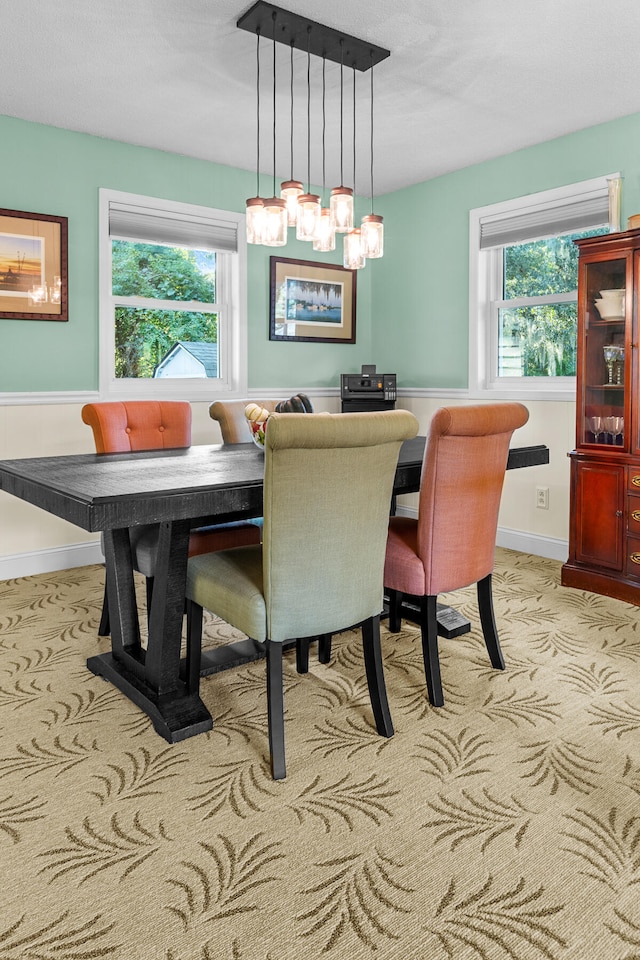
<point x="177" y="489"/>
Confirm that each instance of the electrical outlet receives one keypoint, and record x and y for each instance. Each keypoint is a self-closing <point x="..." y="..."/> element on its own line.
<point x="542" y="498"/>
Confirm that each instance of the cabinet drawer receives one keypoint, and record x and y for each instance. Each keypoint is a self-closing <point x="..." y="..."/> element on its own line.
<point x="634" y="480"/>
<point x="632" y="566"/>
<point x="633" y="516"/>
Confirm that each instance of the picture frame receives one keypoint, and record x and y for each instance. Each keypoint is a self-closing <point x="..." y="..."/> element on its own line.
<point x="312" y="302"/>
<point x="33" y="266"/>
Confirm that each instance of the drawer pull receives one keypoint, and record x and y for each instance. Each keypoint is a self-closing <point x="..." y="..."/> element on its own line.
<point x="635" y="481"/>
<point x="635" y="515"/>
<point x="635" y="558"/>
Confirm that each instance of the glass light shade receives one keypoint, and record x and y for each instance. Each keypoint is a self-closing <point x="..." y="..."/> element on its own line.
<point x="275" y="222"/>
<point x="309" y="208"/>
<point x="325" y="234"/>
<point x="290" y="190"/>
<point x="255" y="219"/>
<point x="38" y="293"/>
<point x="353" y="257"/>
<point x="372" y="230"/>
<point x="341" y="206"/>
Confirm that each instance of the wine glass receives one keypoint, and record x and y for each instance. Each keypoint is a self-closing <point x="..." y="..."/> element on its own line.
<point x="596" y="426"/>
<point x="616" y="428"/>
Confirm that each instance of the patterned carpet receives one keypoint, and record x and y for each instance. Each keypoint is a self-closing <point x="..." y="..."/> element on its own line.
<point x="505" y="826"/>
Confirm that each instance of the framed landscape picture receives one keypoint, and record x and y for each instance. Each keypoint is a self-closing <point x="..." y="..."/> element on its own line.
<point x="33" y="266"/>
<point x="312" y="301"/>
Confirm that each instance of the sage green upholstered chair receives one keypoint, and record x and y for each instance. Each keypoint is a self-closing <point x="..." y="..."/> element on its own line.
<point x="452" y="543"/>
<point x="328" y="482"/>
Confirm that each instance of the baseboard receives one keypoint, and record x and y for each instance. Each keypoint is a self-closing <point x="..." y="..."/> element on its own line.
<point x="47" y="561"/>
<point x="549" y="547"/>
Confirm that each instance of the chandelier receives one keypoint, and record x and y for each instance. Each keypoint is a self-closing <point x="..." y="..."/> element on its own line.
<point x="268" y="218"/>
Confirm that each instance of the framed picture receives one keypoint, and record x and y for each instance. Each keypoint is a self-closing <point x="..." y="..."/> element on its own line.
<point x="312" y="301"/>
<point x="33" y="266"/>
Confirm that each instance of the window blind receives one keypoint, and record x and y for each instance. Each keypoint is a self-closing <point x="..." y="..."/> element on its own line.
<point x="571" y="215"/>
<point x="154" y="225"/>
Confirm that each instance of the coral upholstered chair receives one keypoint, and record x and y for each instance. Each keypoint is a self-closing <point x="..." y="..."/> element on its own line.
<point x="328" y="480"/>
<point x="123" y="427"/>
<point x="452" y="543"/>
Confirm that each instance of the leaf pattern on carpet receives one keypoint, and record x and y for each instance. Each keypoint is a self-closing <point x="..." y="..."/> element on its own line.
<point x="344" y="800"/>
<point x="447" y="755"/>
<point x="608" y="847"/>
<point x="224" y="881"/>
<point x="62" y="939"/>
<point x="119" y="845"/>
<point x="478" y="817"/>
<point x="14" y="813"/>
<point x="234" y="786"/>
<point x="616" y="718"/>
<point x="557" y="762"/>
<point x="140" y="774"/>
<point x="487" y="917"/>
<point x="48" y="756"/>
<point x="358" y="895"/>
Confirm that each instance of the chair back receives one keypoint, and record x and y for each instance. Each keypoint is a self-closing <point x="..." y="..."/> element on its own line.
<point x="233" y="423"/>
<point x="328" y="484"/>
<point x="120" y="427"/>
<point x="462" y="476"/>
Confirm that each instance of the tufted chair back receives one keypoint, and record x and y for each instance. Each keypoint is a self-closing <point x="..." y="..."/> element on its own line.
<point x="233" y="423"/>
<point x="120" y="427"/>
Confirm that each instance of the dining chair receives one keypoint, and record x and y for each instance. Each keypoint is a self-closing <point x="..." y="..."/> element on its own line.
<point x="123" y="427"/>
<point x="452" y="543"/>
<point x="328" y="481"/>
<point x="233" y="423"/>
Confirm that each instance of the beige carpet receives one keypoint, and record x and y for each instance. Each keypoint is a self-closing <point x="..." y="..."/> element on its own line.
<point x="505" y="826"/>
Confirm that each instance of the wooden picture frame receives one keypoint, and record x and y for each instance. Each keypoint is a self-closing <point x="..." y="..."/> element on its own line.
<point x="33" y="266"/>
<point x="312" y="301"/>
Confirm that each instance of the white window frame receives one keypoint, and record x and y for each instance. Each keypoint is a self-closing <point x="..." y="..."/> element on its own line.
<point x="231" y="307"/>
<point x="485" y="293"/>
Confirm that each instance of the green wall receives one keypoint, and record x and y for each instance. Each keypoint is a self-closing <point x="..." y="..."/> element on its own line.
<point x="420" y="293"/>
<point x="413" y="305"/>
<point x="47" y="170"/>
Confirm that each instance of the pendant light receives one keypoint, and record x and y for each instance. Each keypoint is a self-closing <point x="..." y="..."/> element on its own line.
<point x="255" y="205"/>
<point x="308" y="203"/>
<point x="275" y="208"/>
<point x="291" y="189"/>
<point x="353" y="257"/>
<point x="372" y="226"/>
<point x="341" y="203"/>
<point x="325" y="240"/>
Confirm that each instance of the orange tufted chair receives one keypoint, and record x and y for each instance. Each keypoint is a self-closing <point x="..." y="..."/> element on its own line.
<point x="452" y="543"/>
<point x="122" y="427"/>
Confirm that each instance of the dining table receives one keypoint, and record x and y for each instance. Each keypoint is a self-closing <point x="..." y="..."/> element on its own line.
<point x="178" y="489"/>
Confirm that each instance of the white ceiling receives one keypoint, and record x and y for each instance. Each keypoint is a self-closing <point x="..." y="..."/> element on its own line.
<point x="467" y="80"/>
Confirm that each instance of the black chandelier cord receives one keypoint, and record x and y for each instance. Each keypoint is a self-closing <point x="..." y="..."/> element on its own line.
<point x="258" y="111"/>
<point x="354" y="130"/>
<point x="274" y="103"/>
<point x="308" y="110"/>
<point x="372" y="131"/>
<point x="341" y="109"/>
<point x="324" y="124"/>
<point x="291" y="116"/>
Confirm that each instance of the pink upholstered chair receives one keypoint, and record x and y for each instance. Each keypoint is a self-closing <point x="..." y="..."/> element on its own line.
<point x="452" y="543"/>
<point x="154" y="425"/>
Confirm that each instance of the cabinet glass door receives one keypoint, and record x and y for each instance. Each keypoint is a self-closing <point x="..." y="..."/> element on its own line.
<point x="605" y="366"/>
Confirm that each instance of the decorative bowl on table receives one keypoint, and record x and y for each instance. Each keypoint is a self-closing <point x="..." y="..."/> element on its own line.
<point x="257" y="418"/>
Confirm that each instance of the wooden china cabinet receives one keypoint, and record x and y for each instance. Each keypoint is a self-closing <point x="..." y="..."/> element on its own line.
<point x="604" y="538"/>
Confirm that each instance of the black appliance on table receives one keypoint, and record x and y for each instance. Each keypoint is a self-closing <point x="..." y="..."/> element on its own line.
<point x="367" y="390"/>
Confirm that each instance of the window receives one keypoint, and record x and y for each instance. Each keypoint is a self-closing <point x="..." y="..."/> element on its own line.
<point x="523" y="289"/>
<point x="172" y="299"/>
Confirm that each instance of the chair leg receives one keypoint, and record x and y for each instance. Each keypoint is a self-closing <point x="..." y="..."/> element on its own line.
<point x="429" y="630"/>
<point x="488" y="621"/>
<point x="194" y="646"/>
<point x="324" y="648"/>
<point x="104" y="628"/>
<point x="375" y="676"/>
<point x="302" y="654"/>
<point x="395" y="616"/>
<point x="275" y="709"/>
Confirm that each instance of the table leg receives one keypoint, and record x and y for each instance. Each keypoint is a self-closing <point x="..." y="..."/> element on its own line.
<point x="151" y="679"/>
